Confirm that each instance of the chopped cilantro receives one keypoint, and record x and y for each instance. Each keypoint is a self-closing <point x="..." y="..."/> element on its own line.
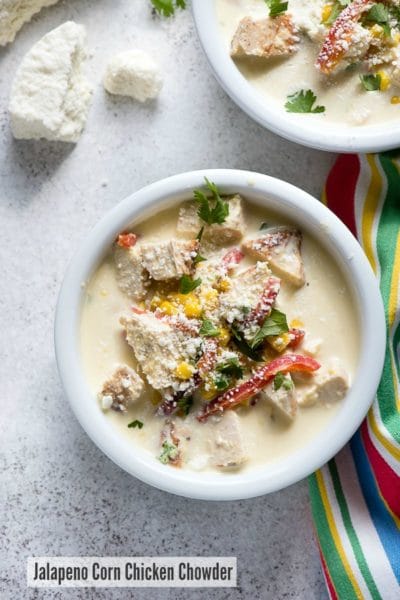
<point x="208" y="329"/>
<point x="169" y="452"/>
<point x="337" y="8"/>
<point x="187" y="284"/>
<point x="276" y="7"/>
<point x="242" y="345"/>
<point x="200" y="234"/>
<point x="275" y="324"/>
<point x="184" y="404"/>
<point x="370" y="83"/>
<point x="231" y="367"/>
<point x="221" y="383"/>
<point x="379" y="14"/>
<point x="198" y="258"/>
<point x="207" y="213"/>
<point x="263" y="225"/>
<point x="303" y="102"/>
<point x="167" y="7"/>
<point x="135" y="423"/>
<point x="280" y="380"/>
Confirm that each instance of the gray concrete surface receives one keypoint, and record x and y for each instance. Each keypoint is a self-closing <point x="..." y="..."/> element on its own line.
<point x="59" y="494"/>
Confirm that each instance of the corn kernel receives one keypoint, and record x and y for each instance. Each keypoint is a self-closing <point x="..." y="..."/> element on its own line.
<point x="396" y="38"/>
<point x="192" y="306"/>
<point x="168" y="308"/>
<point x="224" y="336"/>
<point x="184" y="371"/>
<point x="209" y="390"/>
<point x="385" y="80"/>
<point x="279" y="342"/>
<point x="376" y="31"/>
<point x="104" y="292"/>
<point x="155" y="302"/>
<point x="210" y="299"/>
<point x="326" y="12"/>
<point x="224" y="285"/>
<point x="296" y="324"/>
<point x="178" y="298"/>
<point x="395" y="100"/>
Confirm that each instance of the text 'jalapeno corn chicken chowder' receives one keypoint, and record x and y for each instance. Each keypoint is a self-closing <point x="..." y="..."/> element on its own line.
<point x="338" y="60"/>
<point x="218" y="337"/>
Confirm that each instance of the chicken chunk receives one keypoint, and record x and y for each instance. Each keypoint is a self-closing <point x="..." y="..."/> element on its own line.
<point x="282" y="397"/>
<point x="122" y="389"/>
<point x="265" y="38"/>
<point x="329" y="385"/>
<point x="281" y="248"/>
<point x="226" y="441"/>
<point x="169" y="260"/>
<point x="132" y="278"/>
<point x="232" y="230"/>
<point x="158" y="347"/>
<point x="245" y="294"/>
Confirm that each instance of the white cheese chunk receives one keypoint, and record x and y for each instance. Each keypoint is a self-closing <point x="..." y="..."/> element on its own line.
<point x="50" y="97"/>
<point x="15" y="13"/>
<point x="133" y="73"/>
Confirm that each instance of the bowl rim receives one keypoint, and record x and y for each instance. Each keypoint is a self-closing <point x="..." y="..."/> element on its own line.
<point x="323" y="225"/>
<point x="328" y="136"/>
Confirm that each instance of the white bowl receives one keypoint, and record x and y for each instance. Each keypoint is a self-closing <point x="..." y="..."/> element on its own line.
<point x="333" y="137"/>
<point x="309" y="214"/>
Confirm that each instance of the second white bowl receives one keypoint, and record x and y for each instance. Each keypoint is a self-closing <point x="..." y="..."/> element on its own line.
<point x="323" y="136"/>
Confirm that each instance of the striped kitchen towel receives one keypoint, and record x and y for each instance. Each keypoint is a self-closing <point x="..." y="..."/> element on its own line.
<point x="355" y="498"/>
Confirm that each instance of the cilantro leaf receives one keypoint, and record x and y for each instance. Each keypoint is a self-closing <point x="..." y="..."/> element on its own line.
<point x="187" y="284"/>
<point x="275" y="324"/>
<point x="379" y="14"/>
<point x="276" y="7"/>
<point x="371" y="83"/>
<point x="208" y="329"/>
<point x="242" y="345"/>
<point x="303" y="102"/>
<point x="280" y="380"/>
<point x="169" y="452"/>
<point x="135" y="423"/>
<point x="167" y="8"/>
<point x="231" y="367"/>
<point x="198" y="258"/>
<point x="207" y="213"/>
<point x="221" y="383"/>
<point x="200" y="234"/>
<point x="184" y="404"/>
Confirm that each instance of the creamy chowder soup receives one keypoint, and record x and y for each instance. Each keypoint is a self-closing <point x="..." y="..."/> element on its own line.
<point x="339" y="61"/>
<point x="218" y="336"/>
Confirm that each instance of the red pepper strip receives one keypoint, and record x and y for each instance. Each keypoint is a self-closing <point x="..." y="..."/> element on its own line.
<point x="263" y="308"/>
<point x="284" y="364"/>
<point x="127" y="240"/>
<point x="139" y="311"/>
<point x="209" y="357"/>
<point x="337" y="41"/>
<point x="296" y="337"/>
<point x="232" y="258"/>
